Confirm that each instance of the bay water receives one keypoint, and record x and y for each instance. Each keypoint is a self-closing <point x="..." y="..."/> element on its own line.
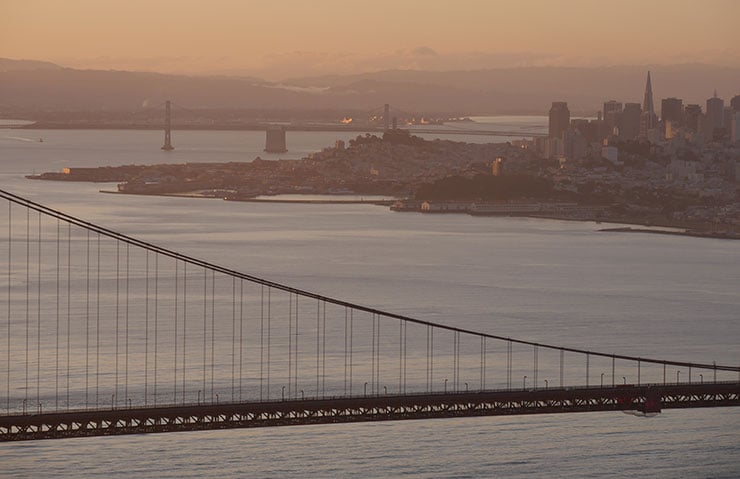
<point x="549" y="281"/>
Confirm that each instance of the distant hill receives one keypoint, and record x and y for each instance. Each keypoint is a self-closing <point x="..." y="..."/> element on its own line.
<point x="585" y="89"/>
<point x="40" y="85"/>
<point x="6" y="65"/>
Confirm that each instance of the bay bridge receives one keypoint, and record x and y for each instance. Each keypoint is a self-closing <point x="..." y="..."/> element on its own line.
<point x="381" y="119"/>
<point x="107" y="334"/>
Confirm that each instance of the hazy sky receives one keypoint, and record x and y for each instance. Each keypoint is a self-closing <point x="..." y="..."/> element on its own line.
<point x="281" y="38"/>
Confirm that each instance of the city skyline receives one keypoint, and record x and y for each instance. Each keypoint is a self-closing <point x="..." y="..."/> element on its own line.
<point x="277" y="40"/>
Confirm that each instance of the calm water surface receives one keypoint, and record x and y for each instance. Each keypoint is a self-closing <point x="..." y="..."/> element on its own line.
<point x="550" y="281"/>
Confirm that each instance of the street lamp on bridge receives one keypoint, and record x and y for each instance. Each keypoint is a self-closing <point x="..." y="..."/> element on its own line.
<point x="524" y="382"/>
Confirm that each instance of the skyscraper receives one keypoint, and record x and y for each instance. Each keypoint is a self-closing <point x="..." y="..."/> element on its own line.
<point x="735" y="102"/>
<point x="692" y="113"/>
<point x="629" y="126"/>
<point x="647" y="103"/>
<point x="648" y="120"/>
<point x="559" y="119"/>
<point x="671" y="109"/>
<point x="715" y="114"/>
<point x="612" y="114"/>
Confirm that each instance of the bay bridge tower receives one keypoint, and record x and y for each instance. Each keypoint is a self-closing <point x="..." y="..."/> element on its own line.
<point x="167" y="127"/>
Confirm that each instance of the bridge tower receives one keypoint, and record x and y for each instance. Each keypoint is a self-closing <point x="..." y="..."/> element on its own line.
<point x="167" y="136"/>
<point x="386" y="117"/>
<point x="275" y="140"/>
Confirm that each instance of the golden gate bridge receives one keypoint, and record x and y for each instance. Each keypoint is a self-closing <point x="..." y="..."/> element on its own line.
<point x="107" y="334"/>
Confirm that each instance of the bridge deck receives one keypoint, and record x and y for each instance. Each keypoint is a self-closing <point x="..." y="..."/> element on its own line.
<point x="645" y="398"/>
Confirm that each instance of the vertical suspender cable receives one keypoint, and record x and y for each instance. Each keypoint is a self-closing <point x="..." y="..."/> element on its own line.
<point x="205" y="328"/>
<point x="146" y="328"/>
<point x="97" y="328"/>
<point x="126" y="317"/>
<point x="241" y="336"/>
<point x="69" y="303"/>
<point x="177" y="275"/>
<point x="184" y="322"/>
<point x="87" y="321"/>
<point x="156" y="322"/>
<point x="38" y="320"/>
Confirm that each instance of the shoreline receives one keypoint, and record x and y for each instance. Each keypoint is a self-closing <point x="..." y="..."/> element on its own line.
<point x="643" y="225"/>
<point x="694" y="234"/>
<point x="260" y="200"/>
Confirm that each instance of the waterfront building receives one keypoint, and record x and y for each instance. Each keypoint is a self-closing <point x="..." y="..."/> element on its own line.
<point x="559" y="119"/>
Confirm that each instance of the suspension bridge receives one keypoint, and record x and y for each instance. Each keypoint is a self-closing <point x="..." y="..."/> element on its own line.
<point x="378" y="120"/>
<point x="106" y="334"/>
